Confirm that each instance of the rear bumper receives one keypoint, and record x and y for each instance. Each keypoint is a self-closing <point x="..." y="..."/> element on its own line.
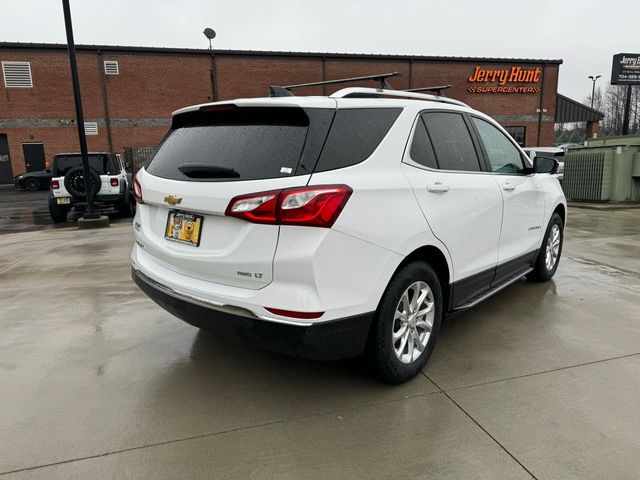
<point x="98" y="199"/>
<point x="329" y="340"/>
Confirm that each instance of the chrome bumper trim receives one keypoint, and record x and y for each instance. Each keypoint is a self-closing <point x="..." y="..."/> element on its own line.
<point x="221" y="307"/>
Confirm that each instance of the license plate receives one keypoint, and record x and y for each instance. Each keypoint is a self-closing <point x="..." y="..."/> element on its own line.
<point x="63" y="200"/>
<point x="183" y="227"/>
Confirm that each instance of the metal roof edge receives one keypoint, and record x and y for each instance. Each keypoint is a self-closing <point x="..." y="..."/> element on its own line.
<point x="329" y="55"/>
<point x="580" y="104"/>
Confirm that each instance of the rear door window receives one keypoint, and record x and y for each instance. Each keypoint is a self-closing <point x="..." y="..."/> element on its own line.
<point x="246" y="143"/>
<point x="421" y="149"/>
<point x="451" y="141"/>
<point x="354" y="135"/>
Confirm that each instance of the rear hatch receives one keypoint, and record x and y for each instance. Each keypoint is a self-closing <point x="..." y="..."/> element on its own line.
<point x="210" y="156"/>
<point x="103" y="163"/>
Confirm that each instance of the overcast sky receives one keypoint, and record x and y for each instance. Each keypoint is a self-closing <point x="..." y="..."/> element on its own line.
<point x="583" y="33"/>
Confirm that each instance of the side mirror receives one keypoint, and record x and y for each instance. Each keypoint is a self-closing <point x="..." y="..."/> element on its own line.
<point x="545" y="165"/>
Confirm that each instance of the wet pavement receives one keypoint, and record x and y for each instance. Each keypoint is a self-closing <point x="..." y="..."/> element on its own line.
<point x="23" y="211"/>
<point x="541" y="381"/>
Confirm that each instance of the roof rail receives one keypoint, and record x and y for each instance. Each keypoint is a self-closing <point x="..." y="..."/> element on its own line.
<point x="284" y="91"/>
<point x="437" y="90"/>
<point x="361" y="92"/>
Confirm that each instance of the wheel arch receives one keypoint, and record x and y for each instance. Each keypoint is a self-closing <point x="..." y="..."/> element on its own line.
<point x="438" y="261"/>
<point x="562" y="211"/>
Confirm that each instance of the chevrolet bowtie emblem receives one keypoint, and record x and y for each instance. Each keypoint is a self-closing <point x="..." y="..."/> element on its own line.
<point x="172" y="200"/>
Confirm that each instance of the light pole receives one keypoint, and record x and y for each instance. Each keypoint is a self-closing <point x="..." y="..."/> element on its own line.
<point x="90" y="219"/>
<point x="593" y="89"/>
<point x="210" y="33"/>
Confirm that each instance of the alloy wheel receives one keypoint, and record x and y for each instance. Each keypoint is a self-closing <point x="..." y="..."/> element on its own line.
<point x="553" y="247"/>
<point x="413" y="322"/>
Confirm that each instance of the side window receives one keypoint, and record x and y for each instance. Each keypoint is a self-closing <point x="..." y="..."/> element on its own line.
<point x="354" y="135"/>
<point x="503" y="155"/>
<point x="451" y="141"/>
<point x="421" y="149"/>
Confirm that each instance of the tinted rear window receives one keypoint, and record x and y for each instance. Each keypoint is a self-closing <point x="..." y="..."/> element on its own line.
<point x="421" y="149"/>
<point x="103" y="164"/>
<point x="451" y="141"/>
<point x="354" y="135"/>
<point x="255" y="143"/>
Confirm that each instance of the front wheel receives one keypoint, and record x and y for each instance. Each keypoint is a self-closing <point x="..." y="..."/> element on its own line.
<point x="549" y="255"/>
<point x="407" y="323"/>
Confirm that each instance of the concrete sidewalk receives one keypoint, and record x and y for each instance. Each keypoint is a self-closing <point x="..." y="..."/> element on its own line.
<point x="541" y="381"/>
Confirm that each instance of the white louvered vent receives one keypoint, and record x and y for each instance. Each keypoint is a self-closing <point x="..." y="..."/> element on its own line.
<point x="17" y="74"/>
<point x="111" y="67"/>
<point x="90" y="128"/>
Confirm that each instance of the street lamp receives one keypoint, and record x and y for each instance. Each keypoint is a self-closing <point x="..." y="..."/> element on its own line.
<point x="90" y="219"/>
<point x="593" y="90"/>
<point x="210" y="33"/>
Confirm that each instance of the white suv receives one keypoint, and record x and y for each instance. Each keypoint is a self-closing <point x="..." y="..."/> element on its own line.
<point x="325" y="227"/>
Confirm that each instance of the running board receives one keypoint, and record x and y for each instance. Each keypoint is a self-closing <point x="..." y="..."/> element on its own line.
<point x="504" y="284"/>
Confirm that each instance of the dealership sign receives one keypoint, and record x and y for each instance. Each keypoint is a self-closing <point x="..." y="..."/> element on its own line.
<point x="626" y="69"/>
<point x="503" y="80"/>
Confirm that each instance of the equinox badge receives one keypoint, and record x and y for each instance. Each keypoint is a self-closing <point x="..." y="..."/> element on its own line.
<point x="172" y="200"/>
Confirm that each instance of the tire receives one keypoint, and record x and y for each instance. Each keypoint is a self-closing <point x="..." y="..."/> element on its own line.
<point x="75" y="183"/>
<point x="58" y="213"/>
<point x="32" y="184"/>
<point x="410" y="280"/>
<point x="548" y="258"/>
<point x="126" y="206"/>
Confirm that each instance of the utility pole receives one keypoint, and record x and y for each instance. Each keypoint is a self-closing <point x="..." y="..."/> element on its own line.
<point x="211" y="34"/>
<point x="91" y="218"/>
<point x="593" y="89"/>
<point x="627" y="108"/>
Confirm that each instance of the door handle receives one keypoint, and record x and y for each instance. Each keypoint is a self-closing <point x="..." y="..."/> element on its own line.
<point x="508" y="186"/>
<point x="437" y="188"/>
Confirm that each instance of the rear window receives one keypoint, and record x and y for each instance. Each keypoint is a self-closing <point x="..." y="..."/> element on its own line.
<point x="354" y="135"/>
<point x="230" y="144"/>
<point x="421" y="149"/>
<point x="451" y="141"/>
<point x="103" y="164"/>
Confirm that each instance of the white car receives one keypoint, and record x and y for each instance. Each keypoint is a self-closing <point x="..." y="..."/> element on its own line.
<point x="325" y="227"/>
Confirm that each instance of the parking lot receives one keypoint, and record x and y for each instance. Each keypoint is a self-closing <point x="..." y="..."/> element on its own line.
<point x="541" y="381"/>
<point x="22" y="211"/>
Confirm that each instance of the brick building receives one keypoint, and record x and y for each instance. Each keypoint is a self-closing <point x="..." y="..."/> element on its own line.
<point x="128" y="93"/>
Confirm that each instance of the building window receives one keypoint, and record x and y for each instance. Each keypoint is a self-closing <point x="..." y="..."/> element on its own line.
<point x="517" y="133"/>
<point x="17" y="74"/>
<point x="91" y="128"/>
<point x="111" y="67"/>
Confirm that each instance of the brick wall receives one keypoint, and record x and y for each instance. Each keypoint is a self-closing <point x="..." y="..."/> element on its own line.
<point x="152" y="84"/>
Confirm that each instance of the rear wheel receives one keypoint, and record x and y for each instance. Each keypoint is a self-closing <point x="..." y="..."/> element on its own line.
<point x="32" y="184"/>
<point x="58" y="213"/>
<point x="407" y="323"/>
<point x="549" y="255"/>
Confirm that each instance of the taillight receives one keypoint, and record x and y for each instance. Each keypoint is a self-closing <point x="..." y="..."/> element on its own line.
<point x="55" y="184"/>
<point x="255" y="207"/>
<point x="137" y="190"/>
<point x="317" y="206"/>
<point x="114" y="181"/>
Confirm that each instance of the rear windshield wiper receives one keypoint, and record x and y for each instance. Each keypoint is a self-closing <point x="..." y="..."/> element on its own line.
<point x="203" y="170"/>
